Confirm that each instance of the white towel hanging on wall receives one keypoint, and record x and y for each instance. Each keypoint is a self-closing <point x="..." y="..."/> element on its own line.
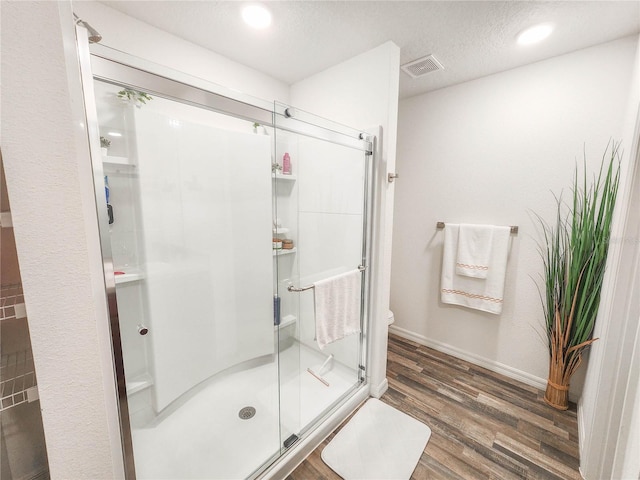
<point x="481" y="294"/>
<point x="474" y="250"/>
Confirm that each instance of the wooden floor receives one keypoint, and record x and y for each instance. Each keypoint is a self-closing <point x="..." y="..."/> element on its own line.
<point x="484" y="425"/>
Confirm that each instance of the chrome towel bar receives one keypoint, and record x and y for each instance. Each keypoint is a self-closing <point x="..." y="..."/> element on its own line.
<point x="292" y="288"/>
<point x="514" y="228"/>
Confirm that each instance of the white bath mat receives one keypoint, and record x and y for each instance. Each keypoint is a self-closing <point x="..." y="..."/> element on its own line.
<point x="379" y="442"/>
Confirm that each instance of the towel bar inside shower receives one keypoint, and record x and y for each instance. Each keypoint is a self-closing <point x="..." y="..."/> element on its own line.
<point x="514" y="228"/>
<point x="292" y="288"/>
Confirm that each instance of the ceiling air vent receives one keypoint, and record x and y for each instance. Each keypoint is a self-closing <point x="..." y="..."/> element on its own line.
<point x="422" y="66"/>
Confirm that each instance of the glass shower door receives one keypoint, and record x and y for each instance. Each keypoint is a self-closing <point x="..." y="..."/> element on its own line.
<point x="321" y="220"/>
<point x="186" y="202"/>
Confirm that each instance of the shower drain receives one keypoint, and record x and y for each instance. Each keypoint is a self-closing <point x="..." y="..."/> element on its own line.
<point x="246" y="413"/>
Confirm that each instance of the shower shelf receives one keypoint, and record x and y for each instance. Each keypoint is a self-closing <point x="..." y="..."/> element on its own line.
<point x="18" y="384"/>
<point x="291" y="178"/>
<point x="284" y="251"/>
<point x="139" y="383"/>
<point x="286" y="321"/>
<point x="130" y="275"/>
<point x="117" y="161"/>
<point x="12" y="303"/>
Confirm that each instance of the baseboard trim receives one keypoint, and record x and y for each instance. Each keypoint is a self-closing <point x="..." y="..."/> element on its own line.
<point x="506" y="370"/>
<point x="378" y="390"/>
<point x="581" y="434"/>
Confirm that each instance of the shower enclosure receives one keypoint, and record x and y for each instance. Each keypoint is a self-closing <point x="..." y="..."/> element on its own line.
<point x="217" y="214"/>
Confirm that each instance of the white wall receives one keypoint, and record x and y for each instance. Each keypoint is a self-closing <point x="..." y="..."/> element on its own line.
<point x="45" y="152"/>
<point x="492" y="151"/>
<point x="363" y="93"/>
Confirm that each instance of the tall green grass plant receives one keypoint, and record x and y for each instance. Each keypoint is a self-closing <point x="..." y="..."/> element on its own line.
<point x="574" y="255"/>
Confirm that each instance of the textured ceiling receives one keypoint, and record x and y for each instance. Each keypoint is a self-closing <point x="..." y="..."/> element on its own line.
<point x="471" y="39"/>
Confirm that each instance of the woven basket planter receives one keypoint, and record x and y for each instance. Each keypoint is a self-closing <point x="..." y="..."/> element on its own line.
<point x="557" y="395"/>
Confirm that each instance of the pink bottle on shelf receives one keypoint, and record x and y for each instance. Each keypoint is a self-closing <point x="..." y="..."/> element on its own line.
<point x="286" y="164"/>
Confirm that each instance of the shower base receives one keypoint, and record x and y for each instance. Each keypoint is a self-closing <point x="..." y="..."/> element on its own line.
<point x="205" y="438"/>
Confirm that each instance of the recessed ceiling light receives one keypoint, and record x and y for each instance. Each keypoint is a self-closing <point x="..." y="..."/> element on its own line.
<point x="535" y="34"/>
<point x="256" y="16"/>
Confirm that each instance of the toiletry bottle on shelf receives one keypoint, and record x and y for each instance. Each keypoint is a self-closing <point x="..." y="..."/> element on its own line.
<point x="287" y="244"/>
<point x="276" y="310"/>
<point x="286" y="164"/>
<point x="107" y="195"/>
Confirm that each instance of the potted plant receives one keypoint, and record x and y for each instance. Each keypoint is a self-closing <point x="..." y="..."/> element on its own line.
<point x="574" y="256"/>
<point x="105" y="143"/>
